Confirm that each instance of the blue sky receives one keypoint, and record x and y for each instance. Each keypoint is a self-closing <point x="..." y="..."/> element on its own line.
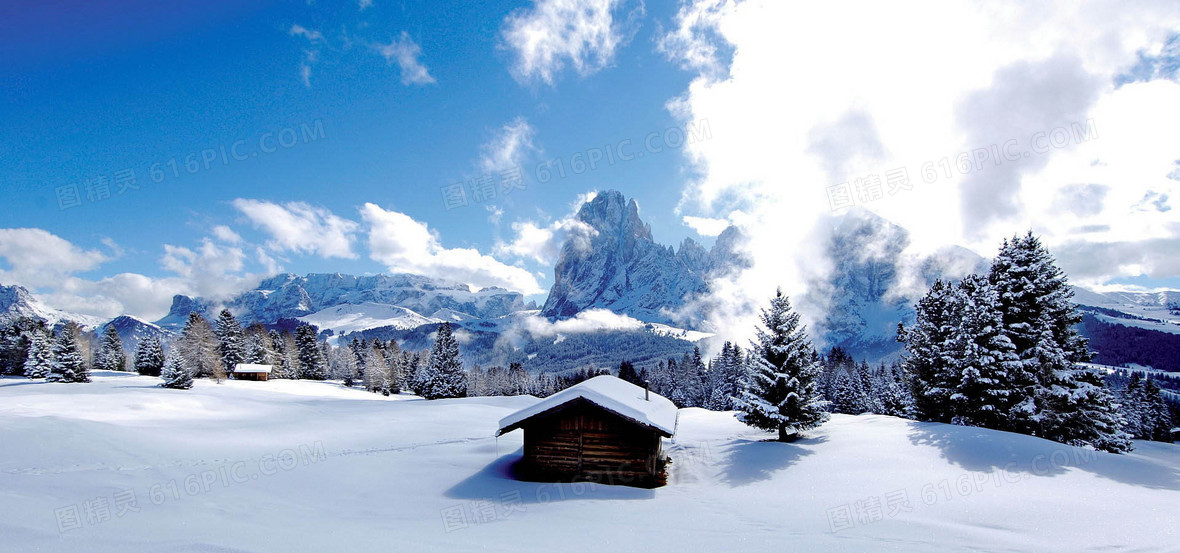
<point x="343" y="122"/>
<point x="136" y="86"/>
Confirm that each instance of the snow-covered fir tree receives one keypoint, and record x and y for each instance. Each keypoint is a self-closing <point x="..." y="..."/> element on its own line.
<point x="39" y="360"/>
<point x="846" y="394"/>
<point x="726" y="377"/>
<point x="1070" y="403"/>
<point x="782" y="391"/>
<point x="1156" y="418"/>
<point x="445" y="377"/>
<point x="988" y="393"/>
<point x="111" y="356"/>
<point x="149" y="356"/>
<point x="67" y="365"/>
<point x="312" y="365"/>
<point x="231" y="343"/>
<point x="895" y="396"/>
<point x="866" y="389"/>
<point x="175" y="374"/>
<point x="931" y="374"/>
<point x="259" y="347"/>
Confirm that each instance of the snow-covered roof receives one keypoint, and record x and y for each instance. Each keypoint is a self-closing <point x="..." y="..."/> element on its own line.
<point x="611" y="393"/>
<point x="251" y="368"/>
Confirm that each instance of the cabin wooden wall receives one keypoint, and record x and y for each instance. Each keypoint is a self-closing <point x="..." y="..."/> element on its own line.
<point x="251" y="376"/>
<point x="585" y="442"/>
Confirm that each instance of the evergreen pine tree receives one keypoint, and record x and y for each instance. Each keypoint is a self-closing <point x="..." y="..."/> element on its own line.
<point x="985" y="360"/>
<point x="259" y="348"/>
<point x="896" y="399"/>
<point x="866" y="391"/>
<point x="782" y="392"/>
<point x="312" y="364"/>
<point x="111" y="356"/>
<point x="1070" y="403"/>
<point x="1157" y="418"/>
<point x="149" y="356"/>
<point x="231" y="343"/>
<point x="445" y="377"/>
<point x="40" y="355"/>
<point x="68" y="365"/>
<point x="175" y="373"/>
<point x="726" y="375"/>
<point x="1132" y="400"/>
<point x="627" y="372"/>
<point x="846" y="394"/>
<point x="929" y="369"/>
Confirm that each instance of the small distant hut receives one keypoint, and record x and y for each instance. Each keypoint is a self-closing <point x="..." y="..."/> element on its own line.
<point x="251" y="371"/>
<point x="602" y="430"/>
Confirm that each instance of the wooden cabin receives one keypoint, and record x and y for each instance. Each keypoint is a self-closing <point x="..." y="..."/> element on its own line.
<point x="603" y="430"/>
<point x="250" y="371"/>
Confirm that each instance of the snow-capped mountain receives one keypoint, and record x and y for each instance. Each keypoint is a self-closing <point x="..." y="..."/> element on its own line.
<point x="16" y="302"/>
<point x="289" y="296"/>
<point x="617" y="265"/>
<point x="132" y="330"/>
<point x="356" y="317"/>
<point x="873" y="284"/>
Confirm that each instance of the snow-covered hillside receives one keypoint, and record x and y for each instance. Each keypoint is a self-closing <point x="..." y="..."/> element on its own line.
<point x="311" y="466"/>
<point x="1150" y="310"/>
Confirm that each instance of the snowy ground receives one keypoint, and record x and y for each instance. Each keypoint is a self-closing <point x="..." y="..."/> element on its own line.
<point x="305" y="466"/>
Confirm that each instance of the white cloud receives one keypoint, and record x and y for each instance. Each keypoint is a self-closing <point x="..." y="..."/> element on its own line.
<point x="801" y="74"/>
<point x="494" y="214"/>
<point x="542" y="242"/>
<point x="226" y="234"/>
<point x="36" y="257"/>
<point x="364" y="4"/>
<point x="301" y="228"/>
<point x="553" y="33"/>
<point x="406" y="245"/>
<point x="406" y="53"/>
<point x="590" y="320"/>
<point x="509" y="148"/>
<point x="48" y="265"/>
<point x="310" y="34"/>
<point x="706" y="226"/>
<point x="311" y="54"/>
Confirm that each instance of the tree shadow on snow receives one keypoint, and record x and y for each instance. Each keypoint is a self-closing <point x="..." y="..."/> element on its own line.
<point x="749" y="461"/>
<point x="983" y="450"/>
<point x="501" y="481"/>
<point x="9" y="381"/>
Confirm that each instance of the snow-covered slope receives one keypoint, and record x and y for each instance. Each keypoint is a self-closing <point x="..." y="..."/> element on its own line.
<point x="16" y="301"/>
<point x="356" y="317"/>
<point x="615" y="264"/>
<point x="1150" y="310"/>
<point x="311" y="466"/>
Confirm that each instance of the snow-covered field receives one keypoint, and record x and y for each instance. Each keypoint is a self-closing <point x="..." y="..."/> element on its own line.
<point x="311" y="466"/>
